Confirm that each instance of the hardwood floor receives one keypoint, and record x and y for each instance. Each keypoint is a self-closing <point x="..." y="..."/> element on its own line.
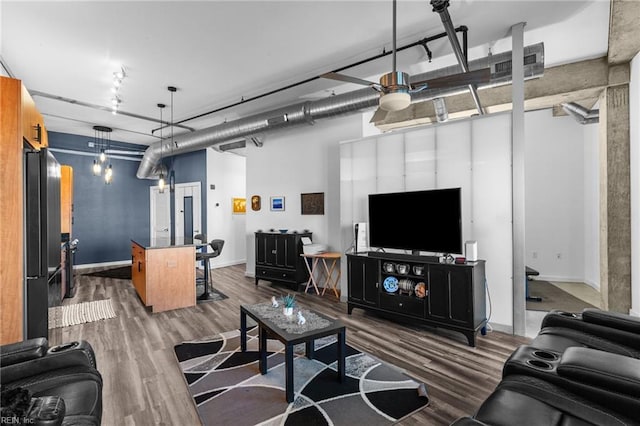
<point x="143" y="385"/>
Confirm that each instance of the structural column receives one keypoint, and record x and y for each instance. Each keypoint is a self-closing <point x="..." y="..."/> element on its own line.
<point x="615" y="207"/>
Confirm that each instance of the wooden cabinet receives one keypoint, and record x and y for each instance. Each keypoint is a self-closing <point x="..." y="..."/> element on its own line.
<point x="454" y="297"/>
<point x="164" y="278"/>
<point x="18" y="115"/>
<point x="66" y="201"/>
<point x="33" y="130"/>
<point x="138" y="268"/>
<point x="278" y="258"/>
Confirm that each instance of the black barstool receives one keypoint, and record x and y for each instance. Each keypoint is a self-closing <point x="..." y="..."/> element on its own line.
<point x="216" y="246"/>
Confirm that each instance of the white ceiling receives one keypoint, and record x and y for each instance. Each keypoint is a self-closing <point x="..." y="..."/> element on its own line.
<point x="217" y="52"/>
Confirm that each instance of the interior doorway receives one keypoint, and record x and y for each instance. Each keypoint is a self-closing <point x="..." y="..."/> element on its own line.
<point x="187" y="210"/>
<point x="160" y="213"/>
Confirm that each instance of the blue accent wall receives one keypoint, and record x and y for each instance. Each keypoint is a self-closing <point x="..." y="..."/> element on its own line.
<point x="108" y="217"/>
<point x="105" y="217"/>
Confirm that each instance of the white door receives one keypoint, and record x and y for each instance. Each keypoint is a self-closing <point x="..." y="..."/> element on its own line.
<point x="187" y="209"/>
<point x="160" y="213"/>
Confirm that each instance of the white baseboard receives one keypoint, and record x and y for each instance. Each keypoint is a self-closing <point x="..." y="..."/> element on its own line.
<point x="503" y="328"/>
<point x="102" y="265"/>
<point x="594" y="285"/>
<point x="634" y="313"/>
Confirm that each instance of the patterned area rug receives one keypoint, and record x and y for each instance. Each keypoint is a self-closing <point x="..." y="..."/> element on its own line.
<point x="228" y="388"/>
<point x="80" y="313"/>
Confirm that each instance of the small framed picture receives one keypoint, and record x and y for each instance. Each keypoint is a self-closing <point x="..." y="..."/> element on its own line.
<point x="277" y="204"/>
<point x="256" y="203"/>
<point x="239" y="205"/>
<point x="312" y="203"/>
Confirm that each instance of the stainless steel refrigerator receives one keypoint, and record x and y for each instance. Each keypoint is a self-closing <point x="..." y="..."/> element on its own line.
<point x="42" y="238"/>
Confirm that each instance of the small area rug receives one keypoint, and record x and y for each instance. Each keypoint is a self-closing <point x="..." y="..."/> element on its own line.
<point x="553" y="298"/>
<point x="80" y="313"/>
<point x="228" y="388"/>
<point x="120" y="273"/>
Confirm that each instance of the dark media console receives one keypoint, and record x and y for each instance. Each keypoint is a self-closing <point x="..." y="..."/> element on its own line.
<point x="447" y="295"/>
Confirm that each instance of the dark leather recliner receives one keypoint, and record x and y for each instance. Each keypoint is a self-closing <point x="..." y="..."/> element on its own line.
<point x="67" y="371"/>
<point x="580" y="369"/>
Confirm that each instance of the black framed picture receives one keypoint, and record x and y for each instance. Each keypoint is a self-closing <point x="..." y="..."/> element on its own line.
<point x="312" y="203"/>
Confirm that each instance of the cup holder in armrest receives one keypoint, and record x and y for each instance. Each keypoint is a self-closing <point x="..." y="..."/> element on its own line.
<point x="545" y="355"/>
<point x="64" y="347"/>
<point x="542" y="365"/>
<point x="568" y="314"/>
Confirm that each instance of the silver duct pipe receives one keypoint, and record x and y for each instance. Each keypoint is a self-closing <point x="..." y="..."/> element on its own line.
<point x="333" y="106"/>
<point x="304" y="113"/>
<point x="581" y="114"/>
<point x="442" y="8"/>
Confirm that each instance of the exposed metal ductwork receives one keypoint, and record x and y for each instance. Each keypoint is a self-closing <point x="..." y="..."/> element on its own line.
<point x="581" y="114"/>
<point x="333" y="106"/>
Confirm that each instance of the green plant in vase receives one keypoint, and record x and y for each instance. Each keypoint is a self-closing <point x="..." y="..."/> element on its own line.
<point x="288" y="302"/>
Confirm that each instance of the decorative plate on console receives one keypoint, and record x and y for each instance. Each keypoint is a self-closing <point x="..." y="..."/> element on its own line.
<point x="390" y="284"/>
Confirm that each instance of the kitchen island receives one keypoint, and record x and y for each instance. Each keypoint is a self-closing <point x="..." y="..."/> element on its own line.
<point x="163" y="272"/>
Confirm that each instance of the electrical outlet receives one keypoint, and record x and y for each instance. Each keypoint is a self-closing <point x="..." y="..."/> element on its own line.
<point x="534" y="255"/>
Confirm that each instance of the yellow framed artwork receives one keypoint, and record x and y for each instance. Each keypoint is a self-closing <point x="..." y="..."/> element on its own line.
<point x="239" y="205"/>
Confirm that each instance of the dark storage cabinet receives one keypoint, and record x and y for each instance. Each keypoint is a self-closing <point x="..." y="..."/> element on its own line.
<point x="363" y="281"/>
<point x="454" y="296"/>
<point x="278" y="258"/>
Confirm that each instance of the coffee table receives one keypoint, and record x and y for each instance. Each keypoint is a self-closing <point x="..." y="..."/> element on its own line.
<point x="273" y="323"/>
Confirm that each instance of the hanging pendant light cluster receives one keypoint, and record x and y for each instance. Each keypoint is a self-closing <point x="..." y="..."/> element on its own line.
<point x="102" y="147"/>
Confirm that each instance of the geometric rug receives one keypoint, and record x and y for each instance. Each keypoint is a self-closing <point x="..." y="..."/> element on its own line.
<point x="228" y="389"/>
<point x="553" y="297"/>
<point x="79" y="313"/>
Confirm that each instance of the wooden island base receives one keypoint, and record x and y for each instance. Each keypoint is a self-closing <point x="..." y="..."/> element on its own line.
<point x="164" y="277"/>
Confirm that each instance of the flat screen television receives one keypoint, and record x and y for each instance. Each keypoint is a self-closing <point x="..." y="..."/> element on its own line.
<point x="428" y="221"/>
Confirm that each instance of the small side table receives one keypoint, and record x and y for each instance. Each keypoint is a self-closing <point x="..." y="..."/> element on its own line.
<point x="330" y="281"/>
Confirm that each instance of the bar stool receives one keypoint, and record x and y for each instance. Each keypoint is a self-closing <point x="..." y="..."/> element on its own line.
<point x="200" y="240"/>
<point x="216" y="246"/>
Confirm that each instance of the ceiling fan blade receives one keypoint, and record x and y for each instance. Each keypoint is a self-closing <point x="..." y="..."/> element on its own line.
<point x="379" y="115"/>
<point x="463" y="79"/>
<point x="348" y="79"/>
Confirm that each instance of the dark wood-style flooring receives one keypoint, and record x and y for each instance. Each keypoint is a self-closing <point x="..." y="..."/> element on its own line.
<point x="143" y="385"/>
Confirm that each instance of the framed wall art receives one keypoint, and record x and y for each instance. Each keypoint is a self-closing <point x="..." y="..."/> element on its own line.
<point x="256" y="203"/>
<point x="277" y="204"/>
<point x="312" y="203"/>
<point x="239" y="205"/>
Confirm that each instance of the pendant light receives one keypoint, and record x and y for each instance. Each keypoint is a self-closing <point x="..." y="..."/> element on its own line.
<point x="102" y="147"/>
<point x="161" y="177"/>
<point x="172" y="177"/>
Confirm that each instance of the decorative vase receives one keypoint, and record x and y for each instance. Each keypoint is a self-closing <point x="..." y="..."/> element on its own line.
<point x="287" y="311"/>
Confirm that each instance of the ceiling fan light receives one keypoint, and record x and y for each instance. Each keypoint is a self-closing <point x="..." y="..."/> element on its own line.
<point x="395" y="101"/>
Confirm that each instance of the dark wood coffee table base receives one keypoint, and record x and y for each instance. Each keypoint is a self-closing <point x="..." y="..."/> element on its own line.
<point x="268" y="329"/>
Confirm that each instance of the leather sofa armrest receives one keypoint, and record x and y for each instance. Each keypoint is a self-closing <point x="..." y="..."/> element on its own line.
<point x="601" y="369"/>
<point x="612" y="331"/>
<point x="80" y="354"/>
<point x="26" y="350"/>
<point x="612" y="319"/>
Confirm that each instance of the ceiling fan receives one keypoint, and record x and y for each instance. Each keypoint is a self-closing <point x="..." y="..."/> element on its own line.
<point x="395" y="88"/>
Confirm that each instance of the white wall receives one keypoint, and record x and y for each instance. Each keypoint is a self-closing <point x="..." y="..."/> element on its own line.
<point x="295" y="161"/>
<point x="227" y="172"/>
<point x="561" y="198"/>
<point x="472" y="154"/>
<point x="634" y="114"/>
